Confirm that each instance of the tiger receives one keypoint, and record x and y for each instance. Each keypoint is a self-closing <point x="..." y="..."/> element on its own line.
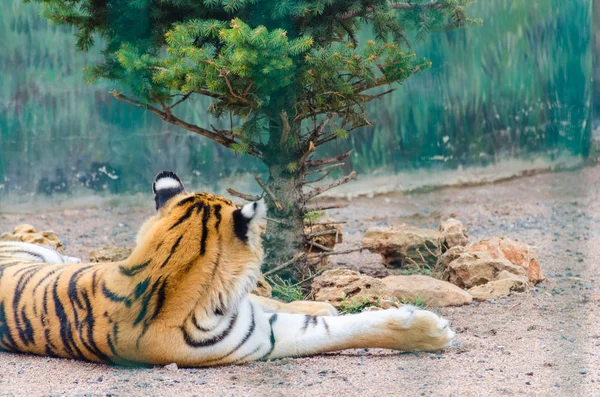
<point x="183" y="296"/>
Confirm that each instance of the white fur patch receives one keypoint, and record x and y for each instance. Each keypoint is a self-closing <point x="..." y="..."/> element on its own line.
<point x="33" y="253"/>
<point x="255" y="211"/>
<point x="166" y="183"/>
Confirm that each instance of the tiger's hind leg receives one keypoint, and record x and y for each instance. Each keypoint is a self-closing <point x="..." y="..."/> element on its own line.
<point x="405" y="329"/>
<point x="298" y="307"/>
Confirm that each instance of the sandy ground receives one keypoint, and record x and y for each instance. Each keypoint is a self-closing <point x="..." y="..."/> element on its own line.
<point x="544" y="343"/>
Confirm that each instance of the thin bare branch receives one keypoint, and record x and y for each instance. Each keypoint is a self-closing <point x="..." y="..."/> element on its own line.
<point x="295" y="259"/>
<point x="323" y="233"/>
<point x="183" y="98"/>
<point x="325" y="168"/>
<point x="330" y="160"/>
<point x="322" y="176"/>
<point x="244" y="196"/>
<point x="317" y="132"/>
<point x="323" y="254"/>
<point x="326" y="207"/>
<point x="233" y="94"/>
<point x="279" y="221"/>
<point x="319" y="246"/>
<point x="325" y="223"/>
<point x="311" y="149"/>
<point x="318" y="190"/>
<point x="279" y="206"/>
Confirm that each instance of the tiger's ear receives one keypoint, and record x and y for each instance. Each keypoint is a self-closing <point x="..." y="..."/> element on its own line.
<point x="166" y="186"/>
<point x="247" y="215"/>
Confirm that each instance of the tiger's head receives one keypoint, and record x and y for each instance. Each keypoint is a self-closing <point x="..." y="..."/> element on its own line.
<point x="201" y="235"/>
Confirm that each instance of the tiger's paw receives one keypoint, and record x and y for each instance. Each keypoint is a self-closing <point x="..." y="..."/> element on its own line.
<point x="415" y="329"/>
<point x="311" y="308"/>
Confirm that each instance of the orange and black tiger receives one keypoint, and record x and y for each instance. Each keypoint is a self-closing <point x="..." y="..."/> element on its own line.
<point x="183" y="296"/>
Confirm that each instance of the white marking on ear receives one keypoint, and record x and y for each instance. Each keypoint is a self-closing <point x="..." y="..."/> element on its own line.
<point x="255" y="211"/>
<point x="166" y="183"/>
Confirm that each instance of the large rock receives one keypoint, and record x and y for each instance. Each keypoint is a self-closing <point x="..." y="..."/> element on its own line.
<point x="503" y="286"/>
<point x="110" y="253"/>
<point x="408" y="246"/>
<point x="28" y="234"/>
<point x="430" y="291"/>
<point x="518" y="254"/>
<point x="454" y="233"/>
<point x="404" y="246"/>
<point x="342" y="286"/>
<point x="471" y="269"/>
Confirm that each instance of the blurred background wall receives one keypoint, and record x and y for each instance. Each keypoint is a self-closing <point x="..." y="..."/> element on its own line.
<point x="518" y="88"/>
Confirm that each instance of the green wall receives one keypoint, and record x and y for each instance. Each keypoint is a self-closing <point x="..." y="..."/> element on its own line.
<point x="520" y="86"/>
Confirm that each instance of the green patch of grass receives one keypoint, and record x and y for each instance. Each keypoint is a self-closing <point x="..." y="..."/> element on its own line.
<point x="418" y="301"/>
<point x="284" y="290"/>
<point x="313" y="216"/>
<point x="416" y="270"/>
<point x="356" y="305"/>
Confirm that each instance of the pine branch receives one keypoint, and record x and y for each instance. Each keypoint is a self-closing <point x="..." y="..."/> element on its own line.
<point x="170" y="118"/>
<point x="319" y="190"/>
<point x="229" y="86"/>
<point x="396" y="6"/>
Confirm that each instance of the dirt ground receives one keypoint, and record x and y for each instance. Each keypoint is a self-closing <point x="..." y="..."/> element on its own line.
<point x="541" y="344"/>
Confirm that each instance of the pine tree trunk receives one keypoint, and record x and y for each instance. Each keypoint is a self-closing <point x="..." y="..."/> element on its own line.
<point x="285" y="238"/>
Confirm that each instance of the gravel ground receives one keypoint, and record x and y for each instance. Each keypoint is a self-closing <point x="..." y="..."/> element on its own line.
<point x="543" y="343"/>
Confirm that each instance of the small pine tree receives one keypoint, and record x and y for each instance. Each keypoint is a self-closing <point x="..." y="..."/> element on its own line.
<point x="293" y="73"/>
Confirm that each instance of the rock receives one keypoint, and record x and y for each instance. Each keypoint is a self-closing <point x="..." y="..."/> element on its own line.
<point x="341" y="286"/>
<point x="430" y="291"/>
<point x="518" y="254"/>
<point x="27" y="234"/>
<point x="450" y="255"/>
<point x="262" y="288"/>
<point x="171" y="367"/>
<point x="471" y="269"/>
<point x="454" y="232"/>
<point x="25" y="228"/>
<point x="404" y="246"/>
<point x="110" y="253"/>
<point x="332" y="235"/>
<point x="503" y="286"/>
